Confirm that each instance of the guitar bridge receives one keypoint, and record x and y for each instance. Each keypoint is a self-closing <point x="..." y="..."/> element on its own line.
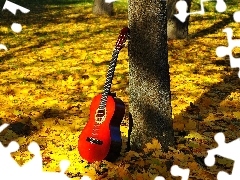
<point x="94" y="141"/>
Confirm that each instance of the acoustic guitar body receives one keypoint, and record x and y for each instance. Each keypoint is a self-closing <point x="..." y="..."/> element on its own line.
<point x="95" y="140"/>
<point x="101" y="137"/>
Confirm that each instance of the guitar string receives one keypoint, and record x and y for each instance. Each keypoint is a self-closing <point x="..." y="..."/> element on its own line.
<point x="107" y="87"/>
<point x="108" y="82"/>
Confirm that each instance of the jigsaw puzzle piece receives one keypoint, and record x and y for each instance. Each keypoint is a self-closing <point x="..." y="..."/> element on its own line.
<point x="181" y="7"/>
<point x="221" y="51"/>
<point x="210" y="158"/>
<point x="10" y="169"/>
<point x="236" y="16"/>
<point x="35" y="165"/>
<point x="2" y="46"/>
<point x="88" y="178"/>
<point x="177" y="171"/>
<point x="221" y="6"/>
<point x="229" y="33"/>
<point x="64" y="164"/>
<point x="235" y="172"/>
<point x="5" y="125"/>
<point x="12" y="7"/>
<point x="223" y="176"/>
<point x="228" y="150"/>
<point x="7" y="162"/>
<point x="159" y="178"/>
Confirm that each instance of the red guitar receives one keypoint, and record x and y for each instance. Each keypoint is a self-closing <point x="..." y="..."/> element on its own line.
<point x="101" y="136"/>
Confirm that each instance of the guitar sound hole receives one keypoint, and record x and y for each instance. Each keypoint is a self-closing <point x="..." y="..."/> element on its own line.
<point x="100" y="116"/>
<point x="100" y="113"/>
<point x="94" y="141"/>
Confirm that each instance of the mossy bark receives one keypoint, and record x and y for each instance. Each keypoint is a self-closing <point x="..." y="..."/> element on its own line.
<point x="149" y="79"/>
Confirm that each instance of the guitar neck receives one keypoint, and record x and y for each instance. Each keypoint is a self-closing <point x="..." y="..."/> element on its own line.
<point x="108" y="83"/>
<point x="107" y="86"/>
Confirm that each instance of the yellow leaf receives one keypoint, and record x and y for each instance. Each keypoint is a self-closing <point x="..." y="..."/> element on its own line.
<point x="91" y="95"/>
<point x="191" y="125"/>
<point x="48" y="51"/>
<point x="157" y="153"/>
<point x="94" y="88"/>
<point x="133" y="153"/>
<point x="154" y="145"/>
<point x="195" y="135"/>
<point x="24" y="91"/>
<point x="70" y="79"/>
<point x="11" y="97"/>
<point x="87" y="82"/>
<point x="85" y="88"/>
<point x="193" y="165"/>
<point x="142" y="176"/>
<point x="141" y="163"/>
<point x="179" y="156"/>
<point x="122" y="171"/>
<point x="149" y="145"/>
<point x="124" y="130"/>
<point x="237" y="114"/>
<point x="178" y="126"/>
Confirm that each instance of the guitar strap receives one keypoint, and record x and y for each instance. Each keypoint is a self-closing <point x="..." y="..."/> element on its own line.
<point x="130" y="125"/>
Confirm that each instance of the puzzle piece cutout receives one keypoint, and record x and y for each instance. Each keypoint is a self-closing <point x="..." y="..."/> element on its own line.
<point x="12" y="7"/>
<point x="222" y="51"/>
<point x="236" y="16"/>
<point x="85" y="178"/>
<point x="6" y="169"/>
<point x="16" y="27"/>
<point x="177" y="171"/>
<point x="182" y="7"/>
<point x="5" y="156"/>
<point x="10" y="169"/>
<point x="2" y="46"/>
<point x="110" y="1"/>
<point x="228" y="150"/>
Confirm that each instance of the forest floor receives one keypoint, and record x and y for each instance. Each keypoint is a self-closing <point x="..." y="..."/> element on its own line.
<point x="58" y="63"/>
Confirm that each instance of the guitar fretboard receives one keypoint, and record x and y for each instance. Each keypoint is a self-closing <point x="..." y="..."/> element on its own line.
<point x="108" y="83"/>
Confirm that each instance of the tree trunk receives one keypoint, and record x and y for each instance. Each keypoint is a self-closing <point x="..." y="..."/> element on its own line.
<point x="100" y="7"/>
<point x="149" y="81"/>
<point x="175" y="28"/>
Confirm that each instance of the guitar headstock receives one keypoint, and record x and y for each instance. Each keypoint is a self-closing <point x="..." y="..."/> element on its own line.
<point x="123" y="36"/>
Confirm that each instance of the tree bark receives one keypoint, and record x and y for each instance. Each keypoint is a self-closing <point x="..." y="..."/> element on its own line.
<point x="175" y="28"/>
<point x="100" y="8"/>
<point x="149" y="81"/>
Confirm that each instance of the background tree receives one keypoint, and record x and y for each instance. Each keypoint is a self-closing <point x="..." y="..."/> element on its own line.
<point x="175" y="28"/>
<point x="149" y="81"/>
<point x="101" y="7"/>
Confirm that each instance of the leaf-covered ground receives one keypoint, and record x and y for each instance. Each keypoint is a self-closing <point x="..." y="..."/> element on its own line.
<point x="58" y="63"/>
